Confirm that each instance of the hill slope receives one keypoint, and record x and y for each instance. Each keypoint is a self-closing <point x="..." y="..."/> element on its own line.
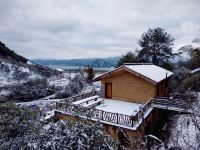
<point x="7" y="54"/>
<point x="20" y="79"/>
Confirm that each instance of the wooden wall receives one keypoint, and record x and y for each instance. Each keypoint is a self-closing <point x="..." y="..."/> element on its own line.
<point x="163" y="88"/>
<point x="128" y="87"/>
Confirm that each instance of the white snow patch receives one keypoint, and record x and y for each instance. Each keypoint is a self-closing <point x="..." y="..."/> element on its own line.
<point x="60" y="81"/>
<point x="184" y="133"/>
<point x="4" y="92"/>
<point x="121" y="107"/>
<point x="195" y="70"/>
<point x="59" y="69"/>
<point x="48" y="115"/>
<point x="154" y="137"/>
<point x="23" y="69"/>
<point x="29" y="63"/>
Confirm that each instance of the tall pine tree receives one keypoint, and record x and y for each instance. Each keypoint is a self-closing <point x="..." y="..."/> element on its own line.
<point x="156" y="47"/>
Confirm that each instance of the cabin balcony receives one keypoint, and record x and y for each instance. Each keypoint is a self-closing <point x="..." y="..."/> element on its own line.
<point x="108" y="111"/>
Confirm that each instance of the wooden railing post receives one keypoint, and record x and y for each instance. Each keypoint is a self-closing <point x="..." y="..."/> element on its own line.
<point x="132" y="123"/>
<point x="102" y="115"/>
<point x="117" y="118"/>
<point x="66" y="107"/>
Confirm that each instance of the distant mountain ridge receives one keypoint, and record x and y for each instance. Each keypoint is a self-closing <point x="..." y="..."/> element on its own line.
<point x="94" y="62"/>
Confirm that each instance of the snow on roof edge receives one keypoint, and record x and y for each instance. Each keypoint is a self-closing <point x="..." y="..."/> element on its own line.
<point x="195" y="70"/>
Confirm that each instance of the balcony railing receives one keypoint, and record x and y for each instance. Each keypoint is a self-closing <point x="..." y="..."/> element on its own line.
<point x="92" y="113"/>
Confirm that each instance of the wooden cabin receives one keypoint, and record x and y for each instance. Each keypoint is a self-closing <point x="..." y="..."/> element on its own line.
<point x="135" y="82"/>
<point x="126" y="104"/>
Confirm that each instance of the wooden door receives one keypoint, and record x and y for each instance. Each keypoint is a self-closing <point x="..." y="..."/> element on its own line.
<point x="108" y="90"/>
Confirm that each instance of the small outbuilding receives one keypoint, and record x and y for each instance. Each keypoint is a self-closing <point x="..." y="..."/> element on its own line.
<point x="135" y="82"/>
<point x="61" y="72"/>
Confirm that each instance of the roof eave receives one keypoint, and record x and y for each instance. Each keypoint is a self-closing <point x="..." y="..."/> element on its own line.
<point x="106" y="74"/>
<point x="166" y="77"/>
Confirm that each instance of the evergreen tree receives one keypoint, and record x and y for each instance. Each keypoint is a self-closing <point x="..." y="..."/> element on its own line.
<point x="130" y="57"/>
<point x="156" y="47"/>
<point x="90" y="73"/>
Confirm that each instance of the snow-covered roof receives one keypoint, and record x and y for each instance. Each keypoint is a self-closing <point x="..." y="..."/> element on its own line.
<point x="152" y="72"/>
<point x="195" y="70"/>
<point x="121" y="107"/>
<point x="148" y="71"/>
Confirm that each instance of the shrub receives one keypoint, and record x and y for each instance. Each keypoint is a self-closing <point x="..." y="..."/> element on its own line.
<point x="192" y="82"/>
<point x="178" y="77"/>
<point x="80" y="79"/>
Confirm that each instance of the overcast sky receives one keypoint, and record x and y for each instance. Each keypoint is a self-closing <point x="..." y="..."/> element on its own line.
<point x="63" y="29"/>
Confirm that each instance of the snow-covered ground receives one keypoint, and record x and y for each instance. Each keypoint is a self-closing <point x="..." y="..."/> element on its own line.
<point x="121" y="107"/>
<point x="42" y="101"/>
<point x="45" y="105"/>
<point x="185" y="131"/>
<point x="61" y="80"/>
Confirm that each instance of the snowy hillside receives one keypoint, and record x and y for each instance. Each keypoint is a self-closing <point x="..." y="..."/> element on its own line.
<point x="12" y="74"/>
<point x="61" y="80"/>
<point x="22" y="80"/>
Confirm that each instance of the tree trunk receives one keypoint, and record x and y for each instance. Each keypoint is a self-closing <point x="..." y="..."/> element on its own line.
<point x="155" y="59"/>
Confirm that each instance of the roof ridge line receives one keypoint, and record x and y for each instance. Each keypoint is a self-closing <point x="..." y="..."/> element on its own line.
<point x="138" y="64"/>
